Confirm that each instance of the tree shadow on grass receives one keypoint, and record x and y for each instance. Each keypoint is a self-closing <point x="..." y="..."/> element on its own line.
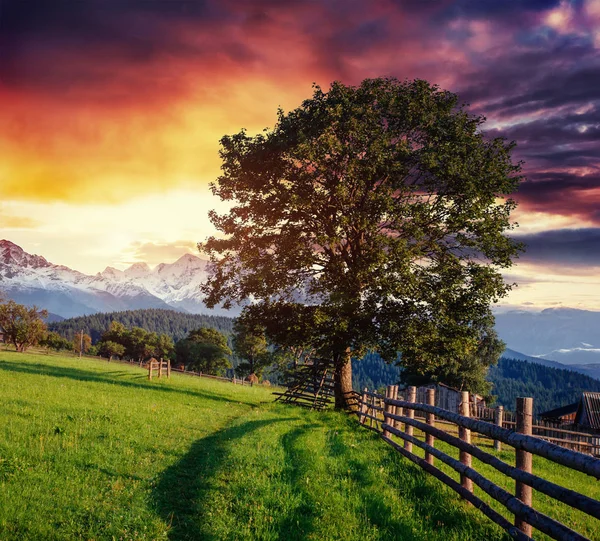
<point x="112" y="378"/>
<point x="299" y="523"/>
<point x="181" y="492"/>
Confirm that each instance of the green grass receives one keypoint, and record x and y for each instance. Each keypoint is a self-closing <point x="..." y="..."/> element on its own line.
<point x="91" y="450"/>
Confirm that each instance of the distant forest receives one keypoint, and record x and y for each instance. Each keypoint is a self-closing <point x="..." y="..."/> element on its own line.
<point x="549" y="387"/>
<point x="175" y="324"/>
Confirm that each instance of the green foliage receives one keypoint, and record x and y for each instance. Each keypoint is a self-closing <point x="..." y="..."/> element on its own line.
<point x="381" y="205"/>
<point x="550" y="387"/>
<point x="136" y="343"/>
<point x="23" y="326"/>
<point x="205" y="350"/>
<point x="170" y="322"/>
<point x="250" y="344"/>
<point x="53" y="340"/>
<point x="110" y="349"/>
<point x="467" y="373"/>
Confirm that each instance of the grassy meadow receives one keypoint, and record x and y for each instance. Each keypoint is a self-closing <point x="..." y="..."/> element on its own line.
<point x="92" y="450"/>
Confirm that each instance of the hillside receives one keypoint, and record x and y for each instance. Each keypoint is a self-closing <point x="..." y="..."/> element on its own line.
<point x="92" y="450"/>
<point x="175" y="324"/>
<point x="550" y="387"/>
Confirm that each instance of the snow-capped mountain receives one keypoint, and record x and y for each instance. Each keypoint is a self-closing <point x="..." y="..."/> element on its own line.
<point x="31" y="279"/>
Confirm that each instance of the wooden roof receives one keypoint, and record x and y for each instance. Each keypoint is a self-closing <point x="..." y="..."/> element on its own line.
<point x="588" y="412"/>
<point x="559" y="412"/>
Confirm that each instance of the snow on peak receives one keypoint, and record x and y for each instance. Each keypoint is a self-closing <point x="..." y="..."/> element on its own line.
<point x="177" y="284"/>
<point x="138" y="270"/>
<point x="111" y="272"/>
<point x="190" y="260"/>
<point x="11" y="254"/>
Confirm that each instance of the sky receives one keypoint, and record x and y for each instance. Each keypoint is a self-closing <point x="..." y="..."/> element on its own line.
<point x="111" y="113"/>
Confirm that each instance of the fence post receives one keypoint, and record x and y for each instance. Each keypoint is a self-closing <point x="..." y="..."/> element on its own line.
<point x="150" y="369"/>
<point x="363" y="407"/>
<point x="430" y="419"/>
<point x="394" y="409"/>
<point x="399" y="412"/>
<point x="465" y="435"/>
<point x="387" y="409"/>
<point x="169" y="368"/>
<point x="498" y="419"/>
<point x="524" y="459"/>
<point x="412" y="397"/>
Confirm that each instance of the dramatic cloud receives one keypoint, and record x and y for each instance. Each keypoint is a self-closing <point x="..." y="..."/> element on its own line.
<point x="108" y="101"/>
<point x="563" y="247"/>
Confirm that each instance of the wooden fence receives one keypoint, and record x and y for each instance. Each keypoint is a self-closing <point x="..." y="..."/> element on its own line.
<point x="235" y="380"/>
<point x="577" y="440"/>
<point x="392" y="416"/>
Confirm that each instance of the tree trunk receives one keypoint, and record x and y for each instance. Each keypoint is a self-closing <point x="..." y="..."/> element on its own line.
<point x="343" y="381"/>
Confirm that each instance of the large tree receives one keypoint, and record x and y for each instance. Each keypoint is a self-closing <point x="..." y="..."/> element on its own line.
<point x="23" y="326"/>
<point x="383" y="207"/>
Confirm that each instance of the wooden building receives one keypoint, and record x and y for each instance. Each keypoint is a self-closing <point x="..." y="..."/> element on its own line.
<point x="588" y="412"/>
<point x="584" y="413"/>
<point x="563" y="415"/>
<point x="446" y="397"/>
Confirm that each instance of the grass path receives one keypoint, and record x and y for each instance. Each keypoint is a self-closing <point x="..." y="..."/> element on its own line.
<point x="90" y="450"/>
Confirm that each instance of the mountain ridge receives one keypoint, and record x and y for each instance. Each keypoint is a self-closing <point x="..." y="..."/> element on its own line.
<point x="31" y="279"/>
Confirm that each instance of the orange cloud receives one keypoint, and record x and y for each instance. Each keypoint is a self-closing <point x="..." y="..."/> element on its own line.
<point x="18" y="222"/>
<point x="94" y="153"/>
<point x="154" y="253"/>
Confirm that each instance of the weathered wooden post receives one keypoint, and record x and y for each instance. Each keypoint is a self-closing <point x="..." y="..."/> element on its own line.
<point x="523" y="458"/>
<point x="430" y="420"/>
<point x="150" y="369"/>
<point x="387" y="409"/>
<point x="363" y="407"/>
<point x="498" y="419"/>
<point x="465" y="435"/>
<point x="412" y="397"/>
<point x="160" y="368"/>
<point x="394" y="409"/>
<point x="169" y="368"/>
<point x="400" y="412"/>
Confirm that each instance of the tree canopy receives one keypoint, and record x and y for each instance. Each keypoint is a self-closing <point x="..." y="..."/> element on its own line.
<point x="23" y="326"/>
<point x="250" y="345"/>
<point x="136" y="343"/>
<point x="384" y="208"/>
<point x="205" y="350"/>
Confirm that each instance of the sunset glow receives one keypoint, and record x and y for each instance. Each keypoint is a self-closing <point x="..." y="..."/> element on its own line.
<point x="112" y="113"/>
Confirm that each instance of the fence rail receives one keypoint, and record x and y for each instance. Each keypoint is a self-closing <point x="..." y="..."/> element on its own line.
<point x="394" y="417"/>
<point x="577" y="440"/>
